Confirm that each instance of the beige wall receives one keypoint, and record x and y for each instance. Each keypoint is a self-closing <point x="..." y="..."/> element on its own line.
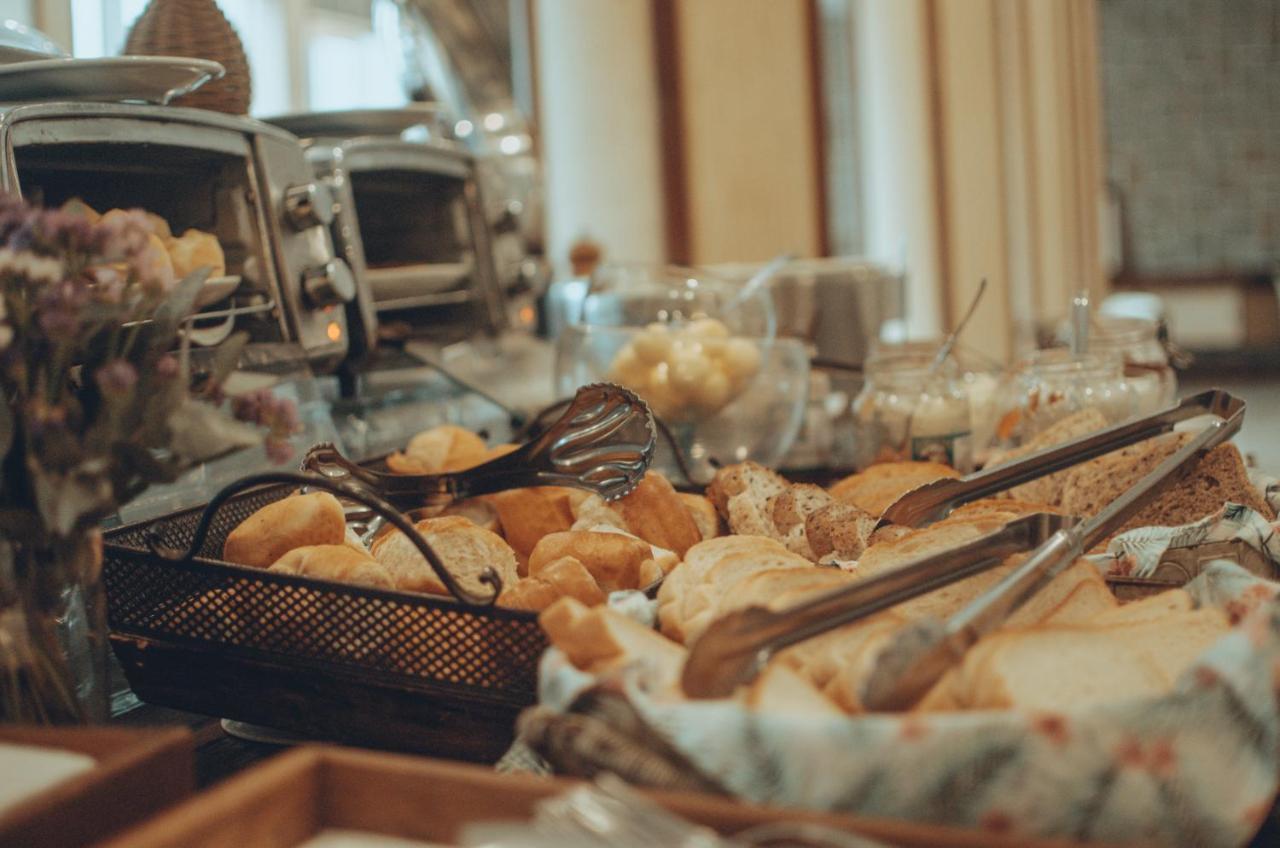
<point x="749" y="120"/>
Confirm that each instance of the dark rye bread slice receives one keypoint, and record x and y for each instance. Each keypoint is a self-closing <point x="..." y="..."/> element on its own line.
<point x="1216" y="478"/>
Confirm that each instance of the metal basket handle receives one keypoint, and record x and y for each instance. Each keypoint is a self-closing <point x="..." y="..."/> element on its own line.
<point x="488" y="576"/>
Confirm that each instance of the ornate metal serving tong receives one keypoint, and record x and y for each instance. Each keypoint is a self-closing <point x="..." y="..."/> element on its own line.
<point x="384" y="510"/>
<point x="923" y="651"/>
<point x="735" y="648"/>
<point x="603" y="443"/>
<point x="932" y="501"/>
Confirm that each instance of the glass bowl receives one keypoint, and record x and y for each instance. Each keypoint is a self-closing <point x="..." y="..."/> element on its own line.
<point x="639" y="295"/>
<point x="725" y="398"/>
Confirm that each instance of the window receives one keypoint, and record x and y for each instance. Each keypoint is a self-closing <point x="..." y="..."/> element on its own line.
<point x="303" y="54"/>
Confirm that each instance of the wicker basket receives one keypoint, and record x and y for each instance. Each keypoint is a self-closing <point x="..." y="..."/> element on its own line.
<point x="196" y="29"/>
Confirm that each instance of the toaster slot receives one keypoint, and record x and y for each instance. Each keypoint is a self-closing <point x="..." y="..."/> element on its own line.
<point x="207" y="190"/>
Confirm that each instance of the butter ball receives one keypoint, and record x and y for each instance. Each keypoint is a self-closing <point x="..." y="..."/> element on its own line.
<point x="652" y="346"/>
<point x="712" y="392"/>
<point x="708" y="328"/>
<point x="741" y="359"/>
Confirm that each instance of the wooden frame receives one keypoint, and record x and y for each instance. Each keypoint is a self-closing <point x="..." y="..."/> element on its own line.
<point x="139" y="773"/>
<point x="288" y="799"/>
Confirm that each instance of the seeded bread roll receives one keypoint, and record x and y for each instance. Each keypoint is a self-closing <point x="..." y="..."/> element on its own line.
<point x="279" y="527"/>
<point x="839" y="531"/>
<point x="465" y="550"/>
<point x="748" y="479"/>
<point x="789" y="511"/>
<point x="334" y="562"/>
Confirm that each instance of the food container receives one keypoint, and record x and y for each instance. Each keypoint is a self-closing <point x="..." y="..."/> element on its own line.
<point x="326" y="660"/>
<point x="136" y="774"/>
<point x="1136" y="342"/>
<point x="907" y="411"/>
<point x="1050" y="385"/>
<point x="293" y="798"/>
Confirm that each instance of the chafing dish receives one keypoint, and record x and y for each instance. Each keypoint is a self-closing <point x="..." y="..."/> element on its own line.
<point x="246" y="182"/>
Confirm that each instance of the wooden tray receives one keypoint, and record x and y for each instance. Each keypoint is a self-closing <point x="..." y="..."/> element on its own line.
<point x="289" y="799"/>
<point x="139" y="772"/>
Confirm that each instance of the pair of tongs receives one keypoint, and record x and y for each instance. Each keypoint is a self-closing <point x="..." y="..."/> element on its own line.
<point x="603" y="443"/>
<point x="933" y="501"/>
<point x="736" y="647"/>
<point x="925" y="650"/>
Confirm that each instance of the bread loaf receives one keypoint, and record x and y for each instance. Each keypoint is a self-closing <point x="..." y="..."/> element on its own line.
<point x="780" y="691"/>
<point x="465" y="550"/>
<point x="279" y="527"/>
<point x="613" y="559"/>
<point x="334" y="562"/>
<point x="876" y="488"/>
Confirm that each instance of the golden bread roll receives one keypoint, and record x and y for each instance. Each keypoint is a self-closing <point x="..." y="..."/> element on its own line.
<point x="562" y="578"/>
<point x="159" y="226"/>
<point x="465" y="550"/>
<point x="77" y="206"/>
<point x="334" y="562"/>
<point x="479" y="511"/>
<point x="704" y="514"/>
<point x="440" y="449"/>
<point x="293" y="522"/>
<point x="195" y="250"/>
<point x="155" y="264"/>
<point x="529" y="593"/>
<point x="654" y="512"/>
<point x="613" y="559"/>
<point x="527" y="515"/>
<point x="597" y="639"/>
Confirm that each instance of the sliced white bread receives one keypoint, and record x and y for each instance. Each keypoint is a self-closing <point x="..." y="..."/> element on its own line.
<point x="780" y="691"/>
<point x="1150" y="608"/>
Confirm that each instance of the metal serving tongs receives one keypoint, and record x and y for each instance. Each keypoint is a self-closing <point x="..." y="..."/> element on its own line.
<point x="736" y="647"/>
<point x="923" y="651"/>
<point x="933" y="501"/>
<point x="603" y="443"/>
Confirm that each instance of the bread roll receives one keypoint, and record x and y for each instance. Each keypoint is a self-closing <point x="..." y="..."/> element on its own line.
<point x="479" y="511"/>
<point x="154" y="263"/>
<point x="599" y="639"/>
<point x="654" y="512"/>
<point x="438" y="450"/>
<point x="613" y="559"/>
<point x="77" y="206"/>
<point x="195" y="250"/>
<point x="159" y="227"/>
<point x="561" y="578"/>
<point x="527" y="515"/>
<point x="334" y="562"/>
<point x="465" y="550"/>
<point x="704" y="514"/>
<point x="279" y="527"/>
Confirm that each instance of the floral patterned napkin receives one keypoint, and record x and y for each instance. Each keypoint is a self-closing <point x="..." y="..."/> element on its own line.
<point x="1138" y="552"/>
<point x="1195" y="767"/>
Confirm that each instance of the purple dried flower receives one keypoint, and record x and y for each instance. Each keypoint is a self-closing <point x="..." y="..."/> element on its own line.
<point x="167" y="367"/>
<point x="117" y="377"/>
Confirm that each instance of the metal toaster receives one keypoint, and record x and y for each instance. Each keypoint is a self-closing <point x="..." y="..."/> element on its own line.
<point x="246" y="182"/>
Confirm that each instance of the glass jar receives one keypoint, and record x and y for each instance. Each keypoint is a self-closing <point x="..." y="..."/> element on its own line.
<point x="1136" y="341"/>
<point x="905" y="411"/>
<point x="1050" y="385"/>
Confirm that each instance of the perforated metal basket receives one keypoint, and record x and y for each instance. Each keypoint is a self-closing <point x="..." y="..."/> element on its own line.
<point x="330" y="660"/>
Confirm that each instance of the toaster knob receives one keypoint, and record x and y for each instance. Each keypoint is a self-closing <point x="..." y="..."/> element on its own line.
<point x="308" y="205"/>
<point x="329" y="285"/>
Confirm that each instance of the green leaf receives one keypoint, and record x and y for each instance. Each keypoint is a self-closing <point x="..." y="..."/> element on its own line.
<point x="201" y="432"/>
<point x="227" y="357"/>
<point x="177" y="308"/>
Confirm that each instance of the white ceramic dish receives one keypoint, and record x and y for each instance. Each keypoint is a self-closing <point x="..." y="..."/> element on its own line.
<point x="146" y="79"/>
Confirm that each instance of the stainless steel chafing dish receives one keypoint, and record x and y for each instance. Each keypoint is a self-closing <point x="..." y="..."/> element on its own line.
<point x="411" y="223"/>
<point x="246" y="182"/>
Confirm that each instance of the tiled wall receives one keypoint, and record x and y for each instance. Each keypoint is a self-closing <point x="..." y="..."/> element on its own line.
<point x="1191" y="94"/>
